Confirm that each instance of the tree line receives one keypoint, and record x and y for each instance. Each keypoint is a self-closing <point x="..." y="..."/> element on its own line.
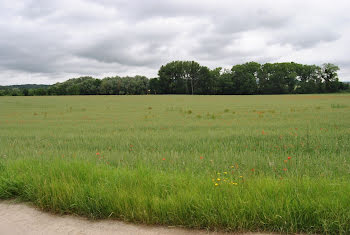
<point x="189" y="77"/>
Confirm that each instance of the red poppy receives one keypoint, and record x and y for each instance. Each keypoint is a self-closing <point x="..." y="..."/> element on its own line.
<point x="285" y="169"/>
<point x="253" y="169"/>
<point x="97" y="153"/>
<point x="289" y="158"/>
<point x="201" y="157"/>
<point x="163" y="159"/>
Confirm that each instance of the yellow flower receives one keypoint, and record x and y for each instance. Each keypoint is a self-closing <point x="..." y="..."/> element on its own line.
<point x="218" y="179"/>
<point x="218" y="173"/>
<point x="216" y="184"/>
<point x="225" y="172"/>
<point x="240" y="176"/>
<point x="232" y="167"/>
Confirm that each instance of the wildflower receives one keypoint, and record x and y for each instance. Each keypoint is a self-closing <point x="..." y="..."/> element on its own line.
<point x="201" y="157"/>
<point x="163" y="159"/>
<point x="219" y="173"/>
<point x="252" y="169"/>
<point x="240" y="176"/>
<point x="98" y="154"/>
<point x="285" y="169"/>
<point x="232" y="167"/>
<point x="285" y="161"/>
<point x="263" y="132"/>
<point x="216" y="184"/>
<point x="225" y="173"/>
<point x="289" y="158"/>
<point x="218" y="179"/>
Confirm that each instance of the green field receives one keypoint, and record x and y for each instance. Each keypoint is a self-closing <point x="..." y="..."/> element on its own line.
<point x="235" y="163"/>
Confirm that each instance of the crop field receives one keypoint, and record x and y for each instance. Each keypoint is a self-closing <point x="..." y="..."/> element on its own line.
<point x="233" y="163"/>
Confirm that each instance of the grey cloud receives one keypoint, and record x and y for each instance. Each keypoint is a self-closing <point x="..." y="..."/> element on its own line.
<point x="37" y="9"/>
<point x="301" y="38"/>
<point x="54" y="40"/>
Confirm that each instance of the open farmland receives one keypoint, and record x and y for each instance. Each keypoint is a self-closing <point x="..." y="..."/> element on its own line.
<point x="235" y="163"/>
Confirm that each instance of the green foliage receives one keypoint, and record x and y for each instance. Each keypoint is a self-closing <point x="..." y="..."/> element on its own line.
<point x="25" y="91"/>
<point x="339" y="106"/>
<point x="244" y="78"/>
<point x="154" y="86"/>
<point x="330" y="77"/>
<point x="181" y="77"/>
<point x="189" y="77"/>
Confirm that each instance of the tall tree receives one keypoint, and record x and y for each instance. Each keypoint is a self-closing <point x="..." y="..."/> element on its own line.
<point x="330" y="76"/>
<point x="179" y="77"/>
<point x="244" y="78"/>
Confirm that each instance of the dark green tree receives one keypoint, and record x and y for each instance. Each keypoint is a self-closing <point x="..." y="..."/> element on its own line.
<point x="154" y="86"/>
<point x="330" y="76"/>
<point x="244" y="78"/>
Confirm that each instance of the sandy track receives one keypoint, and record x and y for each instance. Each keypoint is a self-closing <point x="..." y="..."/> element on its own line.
<point x="23" y="219"/>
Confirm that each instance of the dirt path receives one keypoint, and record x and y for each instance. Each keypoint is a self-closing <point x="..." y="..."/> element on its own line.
<point x="23" y="219"/>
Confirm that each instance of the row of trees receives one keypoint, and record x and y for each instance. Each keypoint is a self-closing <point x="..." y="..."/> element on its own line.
<point x="189" y="77"/>
<point x="138" y="85"/>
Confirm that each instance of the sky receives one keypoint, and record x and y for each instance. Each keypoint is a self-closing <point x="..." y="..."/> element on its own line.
<point x="49" y="41"/>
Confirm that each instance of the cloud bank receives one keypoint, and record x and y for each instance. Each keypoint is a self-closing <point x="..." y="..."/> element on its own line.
<point x="45" y="41"/>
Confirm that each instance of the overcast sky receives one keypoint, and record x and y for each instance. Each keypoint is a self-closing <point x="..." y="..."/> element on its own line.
<point x="43" y="41"/>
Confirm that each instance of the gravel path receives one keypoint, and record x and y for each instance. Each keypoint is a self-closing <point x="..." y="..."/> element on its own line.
<point x="23" y="219"/>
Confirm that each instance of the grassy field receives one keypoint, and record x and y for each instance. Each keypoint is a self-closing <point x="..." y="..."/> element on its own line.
<point x="234" y="163"/>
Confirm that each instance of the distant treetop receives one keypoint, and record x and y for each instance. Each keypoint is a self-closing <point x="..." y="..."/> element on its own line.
<point x="189" y="77"/>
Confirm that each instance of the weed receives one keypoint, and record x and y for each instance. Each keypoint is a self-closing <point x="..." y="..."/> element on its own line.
<point x="338" y="106"/>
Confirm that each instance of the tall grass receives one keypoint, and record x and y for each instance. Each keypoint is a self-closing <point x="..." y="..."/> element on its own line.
<point x="264" y="163"/>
